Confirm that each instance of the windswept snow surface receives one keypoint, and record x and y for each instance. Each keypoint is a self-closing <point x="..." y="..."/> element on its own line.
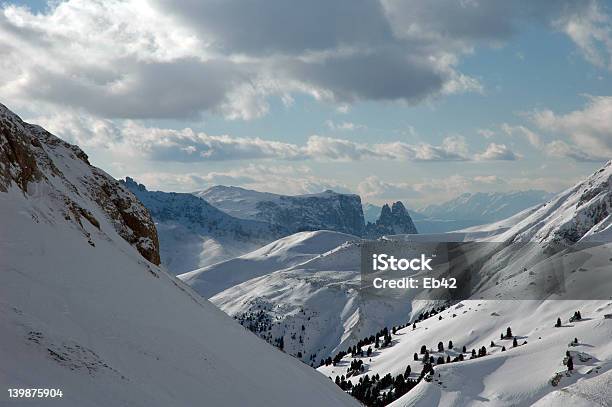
<point x="283" y="253"/>
<point x="81" y="310"/>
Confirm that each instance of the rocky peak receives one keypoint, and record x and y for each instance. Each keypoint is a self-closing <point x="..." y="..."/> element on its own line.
<point x="33" y="160"/>
<point x="393" y="220"/>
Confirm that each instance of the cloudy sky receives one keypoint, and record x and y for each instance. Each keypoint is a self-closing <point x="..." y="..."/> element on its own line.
<point x="394" y="99"/>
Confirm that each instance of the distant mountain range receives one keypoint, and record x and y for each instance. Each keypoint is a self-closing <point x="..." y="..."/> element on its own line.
<point x="206" y="227"/>
<point x="468" y="209"/>
<point x="323" y="211"/>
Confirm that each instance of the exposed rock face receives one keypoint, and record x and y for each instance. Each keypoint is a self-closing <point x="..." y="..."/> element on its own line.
<point x="32" y="158"/>
<point x="393" y="220"/>
<point x="327" y="210"/>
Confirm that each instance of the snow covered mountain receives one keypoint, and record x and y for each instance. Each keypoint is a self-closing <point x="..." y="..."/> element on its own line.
<point x="84" y="308"/>
<point x="533" y="370"/>
<point x="283" y="253"/>
<point x="194" y="234"/>
<point x="314" y="310"/>
<point x="478" y="208"/>
<point x="324" y="211"/>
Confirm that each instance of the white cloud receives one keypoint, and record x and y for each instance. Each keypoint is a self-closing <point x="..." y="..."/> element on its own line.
<point x="486" y="133"/>
<point x="495" y="152"/>
<point x="561" y="149"/>
<point x="130" y="138"/>
<point x="591" y="31"/>
<point x="344" y="126"/>
<point x="590" y="129"/>
<point x="166" y="59"/>
<point x="533" y="138"/>
<point x="291" y="180"/>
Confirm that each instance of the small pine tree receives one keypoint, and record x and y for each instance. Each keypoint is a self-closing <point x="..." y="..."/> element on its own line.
<point x="503" y="349"/>
<point x="407" y="371"/>
<point x="450" y="344"/>
<point x="464" y="349"/>
<point x="509" y="333"/>
<point x="492" y="344"/>
<point x="440" y="347"/>
<point x="448" y="359"/>
<point x="423" y="349"/>
<point x="416" y="356"/>
<point x="578" y="315"/>
<point x="558" y="324"/>
<point x="570" y="364"/>
<point x="514" y="343"/>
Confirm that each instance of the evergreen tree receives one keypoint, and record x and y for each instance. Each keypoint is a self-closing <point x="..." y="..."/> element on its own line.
<point x="492" y="344"/>
<point x="416" y="356"/>
<point x="503" y="349"/>
<point x="407" y="372"/>
<point x="464" y="349"/>
<point x="450" y="344"/>
<point x="578" y="315"/>
<point x="508" y="333"/>
<point x="514" y="343"/>
<point x="440" y="347"/>
<point x="558" y="324"/>
<point x="423" y="349"/>
<point x="570" y="364"/>
<point x="448" y="359"/>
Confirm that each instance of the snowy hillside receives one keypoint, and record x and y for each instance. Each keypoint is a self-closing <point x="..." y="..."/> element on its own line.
<point x="324" y="211"/>
<point x="314" y="305"/>
<point x="194" y="234"/>
<point x="314" y="310"/>
<point x="533" y="371"/>
<point x="283" y="253"/>
<point x="85" y="309"/>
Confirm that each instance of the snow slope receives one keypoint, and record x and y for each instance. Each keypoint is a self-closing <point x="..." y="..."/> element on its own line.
<point x="532" y="373"/>
<point x="322" y="296"/>
<point x="517" y="377"/>
<point x="83" y="310"/>
<point x="283" y="253"/>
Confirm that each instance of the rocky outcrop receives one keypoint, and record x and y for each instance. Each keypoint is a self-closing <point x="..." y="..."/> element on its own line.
<point x="393" y="220"/>
<point x="327" y="210"/>
<point x="32" y="158"/>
